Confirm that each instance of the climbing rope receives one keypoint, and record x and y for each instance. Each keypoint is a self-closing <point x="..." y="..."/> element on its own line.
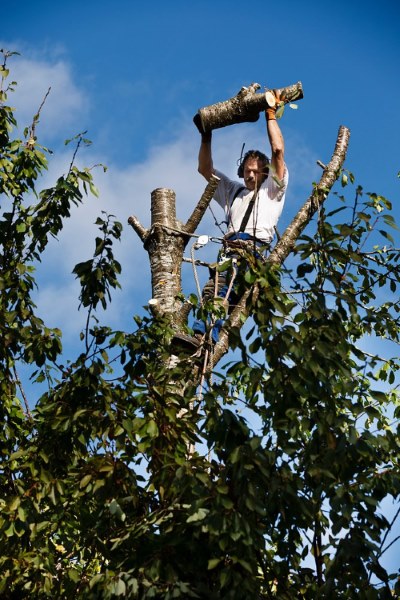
<point x="218" y="223"/>
<point x="194" y="247"/>
<point x="208" y="362"/>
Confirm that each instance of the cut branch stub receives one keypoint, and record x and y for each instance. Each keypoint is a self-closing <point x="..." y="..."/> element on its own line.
<point x="244" y="107"/>
<point x="138" y="227"/>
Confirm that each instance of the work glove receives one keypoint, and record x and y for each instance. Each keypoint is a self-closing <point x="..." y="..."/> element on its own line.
<point x="271" y="111"/>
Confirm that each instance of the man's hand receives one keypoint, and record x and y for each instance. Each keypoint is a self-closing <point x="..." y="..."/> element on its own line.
<point x="270" y="112"/>
<point x="275" y="135"/>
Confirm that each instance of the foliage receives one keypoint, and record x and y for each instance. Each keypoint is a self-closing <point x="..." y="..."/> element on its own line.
<point x="296" y="441"/>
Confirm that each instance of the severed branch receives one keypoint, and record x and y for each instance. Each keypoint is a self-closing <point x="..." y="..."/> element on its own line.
<point x="244" y="107"/>
<point x="288" y="239"/>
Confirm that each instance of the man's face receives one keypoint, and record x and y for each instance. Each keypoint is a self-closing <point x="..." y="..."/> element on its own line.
<point x="253" y="173"/>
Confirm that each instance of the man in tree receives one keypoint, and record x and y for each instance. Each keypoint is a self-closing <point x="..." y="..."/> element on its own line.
<point x="265" y="186"/>
<point x="252" y="210"/>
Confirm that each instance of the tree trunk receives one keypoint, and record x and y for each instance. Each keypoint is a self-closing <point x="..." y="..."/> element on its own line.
<point x="244" y="107"/>
<point x="165" y="243"/>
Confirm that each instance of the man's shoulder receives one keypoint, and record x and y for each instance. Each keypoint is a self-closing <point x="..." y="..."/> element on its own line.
<point x="234" y="183"/>
<point x="231" y="187"/>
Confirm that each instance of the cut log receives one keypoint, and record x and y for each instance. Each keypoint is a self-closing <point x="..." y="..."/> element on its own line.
<point x="244" y="107"/>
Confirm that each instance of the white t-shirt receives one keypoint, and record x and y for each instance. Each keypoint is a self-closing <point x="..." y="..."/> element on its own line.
<point x="267" y="208"/>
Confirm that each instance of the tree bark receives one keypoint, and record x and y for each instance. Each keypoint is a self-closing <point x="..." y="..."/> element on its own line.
<point x="244" y="107"/>
<point x="165" y="243"/>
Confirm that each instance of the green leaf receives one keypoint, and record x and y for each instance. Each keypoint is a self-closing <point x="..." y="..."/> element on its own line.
<point x="199" y="515"/>
<point x="213" y="562"/>
<point x="116" y="510"/>
<point x="119" y="588"/>
<point x="14" y="504"/>
<point x="152" y="429"/>
<point x="235" y="455"/>
<point x="9" y="532"/>
<point x="85" y="480"/>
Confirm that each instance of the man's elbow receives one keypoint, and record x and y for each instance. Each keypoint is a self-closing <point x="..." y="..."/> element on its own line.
<point x="278" y="150"/>
<point x="206" y="172"/>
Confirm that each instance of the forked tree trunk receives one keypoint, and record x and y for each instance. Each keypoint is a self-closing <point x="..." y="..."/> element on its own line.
<point x="167" y="238"/>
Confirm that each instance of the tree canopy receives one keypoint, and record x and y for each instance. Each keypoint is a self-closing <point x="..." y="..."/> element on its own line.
<point x="127" y="478"/>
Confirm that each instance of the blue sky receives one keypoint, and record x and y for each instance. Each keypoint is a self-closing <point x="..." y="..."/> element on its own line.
<point x="133" y="74"/>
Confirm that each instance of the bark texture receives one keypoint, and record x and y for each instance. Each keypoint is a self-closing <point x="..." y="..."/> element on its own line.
<point x="165" y="243"/>
<point x="244" y="107"/>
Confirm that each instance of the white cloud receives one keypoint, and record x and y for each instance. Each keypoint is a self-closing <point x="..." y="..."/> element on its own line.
<point x="125" y="191"/>
<point x="64" y="103"/>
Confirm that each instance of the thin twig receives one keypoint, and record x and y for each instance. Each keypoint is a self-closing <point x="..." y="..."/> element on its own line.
<point x="35" y="121"/>
<point x="18" y="382"/>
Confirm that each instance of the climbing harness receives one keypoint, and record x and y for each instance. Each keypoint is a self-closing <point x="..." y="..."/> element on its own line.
<point x="201" y="241"/>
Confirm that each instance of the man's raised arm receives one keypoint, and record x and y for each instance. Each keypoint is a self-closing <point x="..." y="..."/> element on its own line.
<point x="277" y="143"/>
<point x="206" y="167"/>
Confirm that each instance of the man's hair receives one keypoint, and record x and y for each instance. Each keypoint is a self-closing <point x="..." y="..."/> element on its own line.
<point x="257" y="155"/>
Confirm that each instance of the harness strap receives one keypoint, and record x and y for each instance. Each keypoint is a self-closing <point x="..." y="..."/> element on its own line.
<point x="247" y="214"/>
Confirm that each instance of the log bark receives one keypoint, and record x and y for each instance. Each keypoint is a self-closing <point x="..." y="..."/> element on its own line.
<point x="244" y="107"/>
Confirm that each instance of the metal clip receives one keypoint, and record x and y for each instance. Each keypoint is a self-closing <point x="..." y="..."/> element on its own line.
<point x="202" y="240"/>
